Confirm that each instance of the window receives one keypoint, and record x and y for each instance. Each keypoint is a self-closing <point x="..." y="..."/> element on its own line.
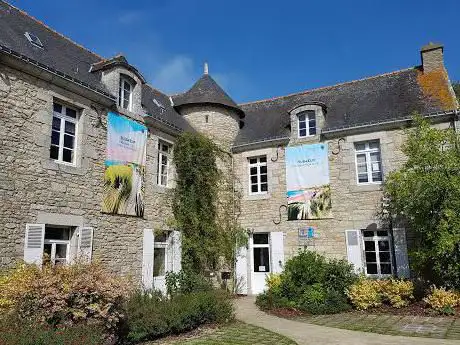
<point x="368" y="162"/>
<point x="63" y="133"/>
<point x="125" y="93"/>
<point x="56" y="247"/>
<point x="160" y="254"/>
<point x="258" y="182"/>
<point x="33" y="39"/>
<point x="377" y="251"/>
<point x="261" y="252"/>
<point x="307" y="123"/>
<point x="164" y="158"/>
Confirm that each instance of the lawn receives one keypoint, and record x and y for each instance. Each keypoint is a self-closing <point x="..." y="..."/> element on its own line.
<point x="236" y="333"/>
<point x="417" y="326"/>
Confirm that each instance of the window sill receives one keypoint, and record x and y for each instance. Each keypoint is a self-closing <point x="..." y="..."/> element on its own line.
<point x="162" y="189"/>
<point x="63" y="167"/>
<point x="259" y="196"/>
<point x="366" y="187"/>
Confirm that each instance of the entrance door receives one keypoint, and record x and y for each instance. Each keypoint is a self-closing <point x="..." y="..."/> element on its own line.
<point x="260" y="261"/>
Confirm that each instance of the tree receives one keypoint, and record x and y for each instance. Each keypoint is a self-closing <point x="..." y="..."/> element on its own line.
<point x="425" y="192"/>
<point x="456" y="86"/>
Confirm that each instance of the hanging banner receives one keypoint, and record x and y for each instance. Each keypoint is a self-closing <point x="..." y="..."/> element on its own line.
<point x="124" y="166"/>
<point x="307" y="181"/>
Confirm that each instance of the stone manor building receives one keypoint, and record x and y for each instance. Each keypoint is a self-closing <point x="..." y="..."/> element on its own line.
<point x="309" y="165"/>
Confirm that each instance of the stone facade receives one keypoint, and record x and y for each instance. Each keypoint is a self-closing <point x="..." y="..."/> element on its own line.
<point x="35" y="189"/>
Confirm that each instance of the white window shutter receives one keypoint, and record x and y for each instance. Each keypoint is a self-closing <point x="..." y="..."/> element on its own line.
<point x="241" y="271"/>
<point x="354" y="249"/>
<point x="277" y="251"/>
<point x="401" y="257"/>
<point x="85" y="243"/>
<point x="177" y="251"/>
<point x="147" y="259"/>
<point x="33" y="244"/>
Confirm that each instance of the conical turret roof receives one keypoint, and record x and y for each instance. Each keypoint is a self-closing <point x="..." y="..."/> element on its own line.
<point x="206" y="91"/>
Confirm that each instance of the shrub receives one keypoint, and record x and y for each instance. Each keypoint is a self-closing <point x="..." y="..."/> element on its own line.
<point x="398" y="293"/>
<point x="368" y="293"/>
<point x="442" y="300"/>
<point x="339" y="275"/>
<point x="152" y="317"/>
<point x="66" y="295"/>
<point x="316" y="299"/>
<point x="18" y="332"/>
<point x="365" y="294"/>
<point x="185" y="282"/>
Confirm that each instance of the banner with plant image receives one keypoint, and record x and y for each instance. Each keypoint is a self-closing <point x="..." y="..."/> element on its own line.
<point x="307" y="181"/>
<point x="124" y="166"/>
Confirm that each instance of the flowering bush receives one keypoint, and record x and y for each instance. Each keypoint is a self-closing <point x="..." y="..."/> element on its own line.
<point x="66" y="295"/>
<point x="368" y="293"/>
<point x="398" y="293"/>
<point x="365" y="294"/>
<point x="442" y="300"/>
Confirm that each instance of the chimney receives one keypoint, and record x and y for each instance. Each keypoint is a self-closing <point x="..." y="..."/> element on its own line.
<point x="432" y="57"/>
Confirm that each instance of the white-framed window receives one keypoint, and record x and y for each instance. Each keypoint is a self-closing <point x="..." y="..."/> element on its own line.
<point x="377" y="253"/>
<point x="368" y="162"/>
<point x="125" y="93"/>
<point x="306" y="121"/>
<point x="164" y="160"/>
<point x="63" y="133"/>
<point x="56" y="247"/>
<point x="261" y="252"/>
<point x="258" y="178"/>
<point x="160" y="254"/>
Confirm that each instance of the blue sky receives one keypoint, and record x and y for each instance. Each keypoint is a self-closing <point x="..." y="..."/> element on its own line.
<point x="258" y="49"/>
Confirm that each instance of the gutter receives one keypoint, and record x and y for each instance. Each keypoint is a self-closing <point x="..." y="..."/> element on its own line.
<point x="263" y="141"/>
<point x="56" y="72"/>
<point x="389" y="122"/>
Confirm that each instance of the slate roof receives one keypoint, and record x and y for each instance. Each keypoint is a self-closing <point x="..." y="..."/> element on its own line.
<point x="206" y="91"/>
<point x="158" y="105"/>
<point x="58" y="52"/>
<point x="384" y="97"/>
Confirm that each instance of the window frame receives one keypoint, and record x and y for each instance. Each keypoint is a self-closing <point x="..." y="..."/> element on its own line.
<point x="63" y="119"/>
<point x="161" y="245"/>
<point x="309" y="115"/>
<point x="168" y="156"/>
<point x="54" y="242"/>
<point x="367" y="153"/>
<point x="121" y="93"/>
<point x="257" y="165"/>
<point x="262" y="245"/>
<point x="376" y="238"/>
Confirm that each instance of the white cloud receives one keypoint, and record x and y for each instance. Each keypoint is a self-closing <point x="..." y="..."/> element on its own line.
<point x="176" y="75"/>
<point x="130" y="17"/>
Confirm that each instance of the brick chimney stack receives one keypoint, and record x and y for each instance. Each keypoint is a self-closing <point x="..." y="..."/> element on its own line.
<point x="432" y="57"/>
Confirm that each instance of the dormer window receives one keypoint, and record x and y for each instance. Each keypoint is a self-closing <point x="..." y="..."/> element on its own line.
<point x="307" y="123"/>
<point x="125" y="94"/>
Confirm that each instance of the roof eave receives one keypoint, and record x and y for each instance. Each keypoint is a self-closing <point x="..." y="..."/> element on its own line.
<point x="42" y="71"/>
<point x="240" y="112"/>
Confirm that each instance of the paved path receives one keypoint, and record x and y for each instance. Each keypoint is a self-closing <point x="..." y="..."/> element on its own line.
<point x="308" y="334"/>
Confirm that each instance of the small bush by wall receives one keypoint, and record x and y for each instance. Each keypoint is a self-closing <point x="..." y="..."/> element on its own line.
<point x="309" y="282"/>
<point x="370" y="293"/>
<point x="442" y="301"/>
<point x="153" y="317"/>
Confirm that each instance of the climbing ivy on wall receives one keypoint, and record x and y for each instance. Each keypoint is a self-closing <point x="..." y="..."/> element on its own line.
<point x="204" y="204"/>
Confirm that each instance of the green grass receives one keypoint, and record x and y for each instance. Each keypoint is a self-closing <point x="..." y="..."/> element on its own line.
<point x="236" y="333"/>
<point x="415" y="326"/>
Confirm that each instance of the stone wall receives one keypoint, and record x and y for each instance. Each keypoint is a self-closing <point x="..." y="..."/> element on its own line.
<point x="34" y="188"/>
<point x="353" y="206"/>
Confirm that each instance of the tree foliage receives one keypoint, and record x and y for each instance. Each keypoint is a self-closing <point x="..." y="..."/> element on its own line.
<point x="425" y="192"/>
<point x="203" y="204"/>
<point x="456" y="86"/>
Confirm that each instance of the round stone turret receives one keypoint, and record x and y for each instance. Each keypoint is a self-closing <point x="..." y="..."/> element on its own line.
<point x="210" y="111"/>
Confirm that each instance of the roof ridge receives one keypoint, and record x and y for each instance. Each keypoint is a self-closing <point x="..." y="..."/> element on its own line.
<point x="52" y="30"/>
<point x="330" y="86"/>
